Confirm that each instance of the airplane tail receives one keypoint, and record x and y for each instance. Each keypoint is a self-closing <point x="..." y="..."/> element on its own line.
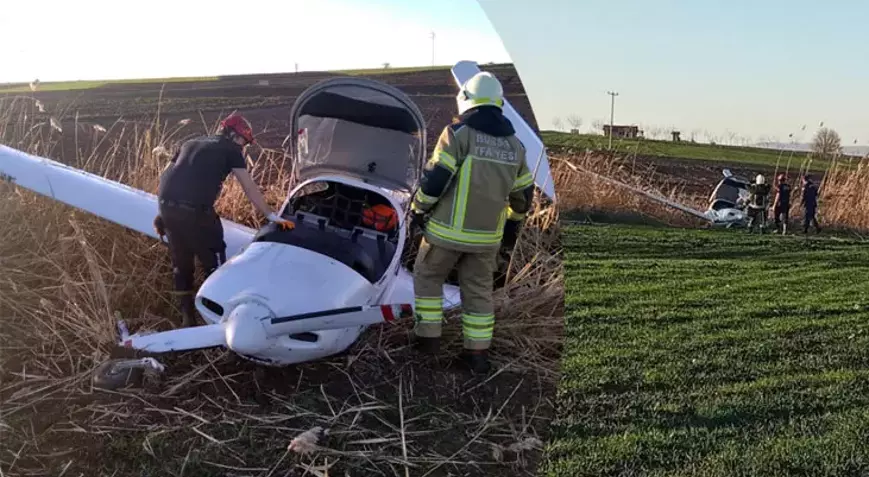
<point x="655" y="197"/>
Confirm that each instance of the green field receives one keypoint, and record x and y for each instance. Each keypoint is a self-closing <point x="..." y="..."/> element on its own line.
<point x="714" y="353"/>
<point x="559" y="141"/>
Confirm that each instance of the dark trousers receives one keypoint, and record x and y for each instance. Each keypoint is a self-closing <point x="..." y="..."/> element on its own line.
<point x="192" y="233"/>
<point x="780" y="214"/>
<point x="810" y="219"/>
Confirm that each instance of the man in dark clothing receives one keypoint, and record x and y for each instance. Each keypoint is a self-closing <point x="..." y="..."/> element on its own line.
<point x="782" y="204"/>
<point x="809" y="202"/>
<point x="189" y="187"/>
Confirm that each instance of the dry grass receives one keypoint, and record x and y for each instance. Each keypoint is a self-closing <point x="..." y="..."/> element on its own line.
<point x="64" y="274"/>
<point x="843" y="202"/>
<point x="844" y="196"/>
<point x="584" y="191"/>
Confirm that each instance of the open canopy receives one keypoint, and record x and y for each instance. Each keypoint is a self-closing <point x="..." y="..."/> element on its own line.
<point x="361" y="128"/>
<point x="727" y="192"/>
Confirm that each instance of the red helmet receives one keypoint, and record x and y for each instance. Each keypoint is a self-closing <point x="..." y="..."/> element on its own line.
<point x="241" y="126"/>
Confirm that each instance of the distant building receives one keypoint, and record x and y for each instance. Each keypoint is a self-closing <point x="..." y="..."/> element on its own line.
<point x="623" y="132"/>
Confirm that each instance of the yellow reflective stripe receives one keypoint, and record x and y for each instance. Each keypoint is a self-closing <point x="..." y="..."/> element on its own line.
<point x="429" y="309"/>
<point x="423" y="198"/>
<point x="445" y="159"/>
<point x="460" y="205"/>
<point x="474" y="319"/>
<point x="523" y="181"/>
<point x="478" y="327"/>
<point x="478" y="238"/>
<point x="502" y="219"/>
<point x="472" y="335"/>
<point x="430" y="315"/>
<point x="513" y="215"/>
<point x="497" y="102"/>
<point x="429" y="302"/>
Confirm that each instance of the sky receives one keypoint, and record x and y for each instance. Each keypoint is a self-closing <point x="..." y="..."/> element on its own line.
<point x="758" y="69"/>
<point x="753" y="67"/>
<point x="99" y="39"/>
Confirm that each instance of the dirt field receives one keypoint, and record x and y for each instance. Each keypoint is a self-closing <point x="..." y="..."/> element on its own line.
<point x="268" y="107"/>
<point x="693" y="178"/>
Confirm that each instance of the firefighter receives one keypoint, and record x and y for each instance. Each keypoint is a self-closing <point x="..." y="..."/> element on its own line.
<point x="809" y="202"/>
<point x="758" y="201"/>
<point x="474" y="194"/>
<point x="189" y="186"/>
<point x="782" y="204"/>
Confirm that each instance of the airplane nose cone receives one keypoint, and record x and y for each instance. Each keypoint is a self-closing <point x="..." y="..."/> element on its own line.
<point x="245" y="333"/>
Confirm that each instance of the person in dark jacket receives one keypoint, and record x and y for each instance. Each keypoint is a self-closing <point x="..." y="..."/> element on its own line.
<point x="809" y="202"/>
<point x="189" y="186"/>
<point x="782" y="204"/>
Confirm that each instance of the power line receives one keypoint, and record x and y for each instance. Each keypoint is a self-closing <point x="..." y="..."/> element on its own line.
<point x="613" y="94"/>
<point x="432" y="35"/>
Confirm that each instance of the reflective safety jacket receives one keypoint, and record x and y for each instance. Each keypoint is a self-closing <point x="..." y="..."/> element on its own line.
<point x="475" y="180"/>
<point x="758" y="197"/>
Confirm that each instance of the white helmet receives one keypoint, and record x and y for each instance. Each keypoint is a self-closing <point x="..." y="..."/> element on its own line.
<point x="483" y="89"/>
<point x="759" y="179"/>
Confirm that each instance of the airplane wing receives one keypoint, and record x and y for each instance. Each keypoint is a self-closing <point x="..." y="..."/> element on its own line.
<point x="131" y="208"/>
<point x="655" y="197"/>
<point x="536" y="158"/>
<point x="135" y="209"/>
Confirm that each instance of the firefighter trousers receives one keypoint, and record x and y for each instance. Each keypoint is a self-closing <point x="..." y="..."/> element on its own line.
<point x="756" y="215"/>
<point x="476" y="274"/>
<point x="192" y="233"/>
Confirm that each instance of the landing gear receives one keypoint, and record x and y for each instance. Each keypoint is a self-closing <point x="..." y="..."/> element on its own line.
<point x="119" y="373"/>
<point x="123" y="371"/>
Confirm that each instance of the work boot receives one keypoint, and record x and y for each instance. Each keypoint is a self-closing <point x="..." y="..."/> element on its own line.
<point x="476" y="360"/>
<point x="427" y="345"/>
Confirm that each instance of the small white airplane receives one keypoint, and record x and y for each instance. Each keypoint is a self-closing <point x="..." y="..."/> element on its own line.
<point x="286" y="297"/>
<point x="726" y="204"/>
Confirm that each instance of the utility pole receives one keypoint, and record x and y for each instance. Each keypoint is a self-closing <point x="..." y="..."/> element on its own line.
<point x="612" y="114"/>
<point x="432" y="35"/>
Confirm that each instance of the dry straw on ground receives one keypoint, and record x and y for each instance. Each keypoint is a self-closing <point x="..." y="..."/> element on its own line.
<point x="380" y="408"/>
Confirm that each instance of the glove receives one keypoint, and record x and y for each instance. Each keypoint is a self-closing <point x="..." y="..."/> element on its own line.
<point x="282" y="223"/>
<point x="159" y="226"/>
<point x="417" y="219"/>
<point x="511" y="233"/>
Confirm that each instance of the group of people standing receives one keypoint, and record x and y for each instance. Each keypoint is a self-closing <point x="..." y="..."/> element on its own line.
<point x="759" y="204"/>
